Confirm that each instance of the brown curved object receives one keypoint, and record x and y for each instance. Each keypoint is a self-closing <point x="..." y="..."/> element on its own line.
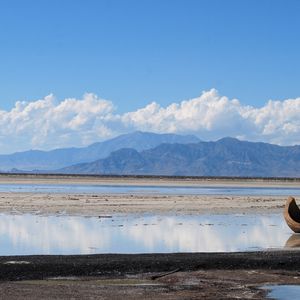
<point x="293" y="241"/>
<point x="292" y="214"/>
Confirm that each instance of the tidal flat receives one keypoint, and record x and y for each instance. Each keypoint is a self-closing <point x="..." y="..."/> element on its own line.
<point x="40" y="201"/>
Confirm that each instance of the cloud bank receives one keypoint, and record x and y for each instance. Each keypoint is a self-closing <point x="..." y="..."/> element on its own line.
<point x="47" y="123"/>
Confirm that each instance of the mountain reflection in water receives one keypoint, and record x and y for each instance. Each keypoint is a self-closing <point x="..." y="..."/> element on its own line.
<point x="32" y="234"/>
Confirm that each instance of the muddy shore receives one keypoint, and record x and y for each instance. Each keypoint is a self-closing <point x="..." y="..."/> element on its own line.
<point x="144" y="276"/>
<point x="148" y="276"/>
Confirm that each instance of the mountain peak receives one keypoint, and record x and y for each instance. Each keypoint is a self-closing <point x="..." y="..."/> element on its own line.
<point x="228" y="139"/>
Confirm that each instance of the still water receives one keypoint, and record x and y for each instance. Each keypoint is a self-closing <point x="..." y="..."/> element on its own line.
<point x="33" y="234"/>
<point x="283" y="292"/>
<point x="124" y="189"/>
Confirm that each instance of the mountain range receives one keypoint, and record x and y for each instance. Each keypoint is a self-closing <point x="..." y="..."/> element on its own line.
<point x="225" y="157"/>
<point x="59" y="158"/>
<point x="145" y="153"/>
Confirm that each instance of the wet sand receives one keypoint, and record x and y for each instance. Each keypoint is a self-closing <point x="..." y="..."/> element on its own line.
<point x="152" y="276"/>
<point x="105" y="204"/>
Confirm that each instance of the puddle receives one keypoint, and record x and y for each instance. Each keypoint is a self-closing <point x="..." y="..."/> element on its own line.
<point x="124" y="189"/>
<point x="32" y="234"/>
<point x="283" y="292"/>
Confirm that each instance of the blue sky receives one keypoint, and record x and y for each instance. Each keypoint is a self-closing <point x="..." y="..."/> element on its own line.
<point x="90" y="70"/>
<point x="135" y="52"/>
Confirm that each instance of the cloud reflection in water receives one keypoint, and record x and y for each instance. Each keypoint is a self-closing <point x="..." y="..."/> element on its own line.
<point x="31" y="234"/>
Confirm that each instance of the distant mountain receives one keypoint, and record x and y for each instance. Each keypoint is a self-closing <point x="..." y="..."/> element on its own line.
<point x="226" y="157"/>
<point x="59" y="158"/>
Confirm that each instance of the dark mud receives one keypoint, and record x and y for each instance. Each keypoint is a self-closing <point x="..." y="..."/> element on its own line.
<point x="182" y="285"/>
<point x="43" y="266"/>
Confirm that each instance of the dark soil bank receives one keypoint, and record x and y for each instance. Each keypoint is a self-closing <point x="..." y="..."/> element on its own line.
<point x="44" y="266"/>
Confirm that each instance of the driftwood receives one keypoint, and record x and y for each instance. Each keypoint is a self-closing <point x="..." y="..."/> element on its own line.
<point x="292" y="214"/>
<point x="165" y="274"/>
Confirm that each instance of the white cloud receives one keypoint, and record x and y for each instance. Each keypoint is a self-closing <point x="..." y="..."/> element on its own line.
<point x="209" y="115"/>
<point x="212" y="116"/>
<point x="48" y="124"/>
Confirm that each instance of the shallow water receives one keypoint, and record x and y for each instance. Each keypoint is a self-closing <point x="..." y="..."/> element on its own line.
<point x="33" y="234"/>
<point x="124" y="189"/>
<point x="283" y="292"/>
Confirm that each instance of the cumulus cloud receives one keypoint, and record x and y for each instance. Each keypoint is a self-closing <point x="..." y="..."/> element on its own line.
<point x="48" y="123"/>
<point x="209" y="116"/>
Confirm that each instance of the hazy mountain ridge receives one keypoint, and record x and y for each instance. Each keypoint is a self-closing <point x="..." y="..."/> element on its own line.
<point x="225" y="157"/>
<point x="59" y="158"/>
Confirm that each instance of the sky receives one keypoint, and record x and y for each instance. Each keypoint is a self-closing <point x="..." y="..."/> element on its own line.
<point x="76" y="72"/>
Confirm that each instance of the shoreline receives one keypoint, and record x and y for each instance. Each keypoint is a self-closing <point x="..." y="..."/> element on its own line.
<point x="95" y="204"/>
<point x="144" y="276"/>
<point x="7" y="178"/>
<point x="148" y="276"/>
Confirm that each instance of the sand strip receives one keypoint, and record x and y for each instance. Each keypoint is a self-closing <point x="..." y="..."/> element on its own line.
<point x="104" y="204"/>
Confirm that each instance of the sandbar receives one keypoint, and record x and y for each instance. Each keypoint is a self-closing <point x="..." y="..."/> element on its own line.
<point x="95" y="204"/>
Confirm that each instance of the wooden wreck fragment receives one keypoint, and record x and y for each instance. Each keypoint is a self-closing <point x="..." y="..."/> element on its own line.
<point x="292" y="214"/>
